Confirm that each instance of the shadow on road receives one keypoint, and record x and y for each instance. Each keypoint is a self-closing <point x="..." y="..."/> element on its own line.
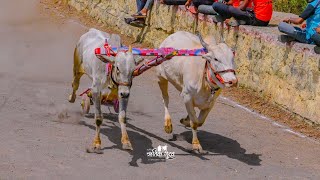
<point x="221" y="145"/>
<point x="139" y="142"/>
<point x="213" y="143"/>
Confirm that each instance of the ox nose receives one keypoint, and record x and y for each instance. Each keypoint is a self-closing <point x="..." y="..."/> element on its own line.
<point x="124" y="94"/>
<point x="234" y="83"/>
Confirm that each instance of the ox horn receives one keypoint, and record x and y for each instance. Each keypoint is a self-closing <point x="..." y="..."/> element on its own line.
<point x="130" y="48"/>
<point x="204" y="44"/>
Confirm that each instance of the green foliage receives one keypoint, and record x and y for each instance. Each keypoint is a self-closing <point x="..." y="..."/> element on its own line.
<point x="290" y="6"/>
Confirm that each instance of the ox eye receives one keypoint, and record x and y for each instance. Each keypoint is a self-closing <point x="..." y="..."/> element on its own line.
<point x="216" y="59"/>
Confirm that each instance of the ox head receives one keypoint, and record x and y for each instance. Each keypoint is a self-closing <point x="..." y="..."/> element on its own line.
<point x="124" y="64"/>
<point x="220" y="59"/>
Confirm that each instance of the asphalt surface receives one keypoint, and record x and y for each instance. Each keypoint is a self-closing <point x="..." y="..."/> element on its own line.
<point x="42" y="136"/>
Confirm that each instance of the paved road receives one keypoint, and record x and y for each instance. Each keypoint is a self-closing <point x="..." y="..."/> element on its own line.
<point x="37" y="143"/>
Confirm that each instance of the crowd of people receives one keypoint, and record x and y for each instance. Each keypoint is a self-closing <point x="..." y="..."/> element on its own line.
<point x="250" y="12"/>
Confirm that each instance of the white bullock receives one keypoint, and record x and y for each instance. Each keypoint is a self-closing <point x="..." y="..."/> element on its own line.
<point x="199" y="78"/>
<point x="86" y="62"/>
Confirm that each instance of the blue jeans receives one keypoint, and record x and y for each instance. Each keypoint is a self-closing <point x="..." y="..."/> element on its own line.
<point x="144" y="4"/>
<point x="295" y="32"/>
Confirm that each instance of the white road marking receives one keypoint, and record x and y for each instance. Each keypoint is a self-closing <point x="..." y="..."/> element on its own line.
<point x="273" y="122"/>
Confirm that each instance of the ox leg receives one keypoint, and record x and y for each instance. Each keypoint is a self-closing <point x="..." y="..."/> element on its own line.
<point x="123" y="103"/>
<point x="194" y="123"/>
<point x="78" y="71"/>
<point x="163" y="84"/>
<point x="205" y="112"/>
<point x="75" y="86"/>
<point x="96" y="95"/>
<point x="185" y="121"/>
<point x="203" y="116"/>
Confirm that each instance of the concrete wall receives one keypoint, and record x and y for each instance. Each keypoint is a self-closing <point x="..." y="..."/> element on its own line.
<point x="288" y="74"/>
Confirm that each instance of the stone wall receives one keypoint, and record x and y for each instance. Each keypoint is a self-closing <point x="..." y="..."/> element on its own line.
<point x="287" y="73"/>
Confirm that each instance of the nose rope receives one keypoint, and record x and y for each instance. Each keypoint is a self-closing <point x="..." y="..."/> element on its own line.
<point x="217" y="74"/>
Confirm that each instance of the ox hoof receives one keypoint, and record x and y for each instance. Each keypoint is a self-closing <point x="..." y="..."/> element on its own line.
<point x="72" y="98"/>
<point x="197" y="149"/>
<point x="168" y="128"/>
<point x="127" y="146"/>
<point x="185" y="121"/>
<point x="96" y="150"/>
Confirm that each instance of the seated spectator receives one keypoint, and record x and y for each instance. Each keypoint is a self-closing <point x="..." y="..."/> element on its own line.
<point x="143" y="7"/>
<point x="187" y="3"/>
<point x="260" y="16"/>
<point x="201" y="6"/>
<point x="312" y="17"/>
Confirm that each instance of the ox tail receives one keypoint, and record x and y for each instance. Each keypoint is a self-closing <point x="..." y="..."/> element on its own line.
<point x="77" y="73"/>
<point x="77" y="62"/>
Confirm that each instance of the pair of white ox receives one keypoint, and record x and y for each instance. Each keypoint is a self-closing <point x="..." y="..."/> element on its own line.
<point x="199" y="79"/>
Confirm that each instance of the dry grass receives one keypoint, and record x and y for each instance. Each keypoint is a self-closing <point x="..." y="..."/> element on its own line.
<point x="290" y="6"/>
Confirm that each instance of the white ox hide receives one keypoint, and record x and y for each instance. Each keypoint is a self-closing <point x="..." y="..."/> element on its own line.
<point x="86" y="62"/>
<point x="197" y="78"/>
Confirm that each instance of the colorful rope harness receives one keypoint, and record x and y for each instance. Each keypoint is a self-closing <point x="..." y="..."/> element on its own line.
<point x="112" y="51"/>
<point x="162" y="54"/>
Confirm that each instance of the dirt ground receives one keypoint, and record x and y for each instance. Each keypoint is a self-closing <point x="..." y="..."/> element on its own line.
<point x="42" y="136"/>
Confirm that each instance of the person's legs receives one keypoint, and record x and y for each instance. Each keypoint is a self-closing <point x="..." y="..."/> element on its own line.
<point x="207" y="9"/>
<point x="241" y="15"/>
<point x="222" y="10"/>
<point x="197" y="3"/>
<point x="293" y="32"/>
<point x="140" y="4"/>
<point x="143" y="6"/>
<point x="258" y="22"/>
<point x="174" y="2"/>
<point x="316" y="39"/>
<point x="148" y="5"/>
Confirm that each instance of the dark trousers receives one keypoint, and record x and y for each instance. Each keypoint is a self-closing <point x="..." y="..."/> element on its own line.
<point x="316" y="39"/>
<point x="182" y="2"/>
<point x="248" y="16"/>
<point x="294" y="32"/>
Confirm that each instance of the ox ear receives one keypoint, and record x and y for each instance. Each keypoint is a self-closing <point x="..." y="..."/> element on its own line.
<point x="208" y="56"/>
<point x="138" y="60"/>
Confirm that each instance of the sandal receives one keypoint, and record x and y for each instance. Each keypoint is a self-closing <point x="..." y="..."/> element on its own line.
<point x="193" y="10"/>
<point x="139" y="15"/>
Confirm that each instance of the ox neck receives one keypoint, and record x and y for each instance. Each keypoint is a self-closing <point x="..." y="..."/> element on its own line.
<point x="112" y="76"/>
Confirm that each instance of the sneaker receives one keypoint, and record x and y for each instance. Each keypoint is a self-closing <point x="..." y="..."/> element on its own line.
<point x="317" y="49"/>
<point x="285" y="38"/>
<point x="217" y="18"/>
